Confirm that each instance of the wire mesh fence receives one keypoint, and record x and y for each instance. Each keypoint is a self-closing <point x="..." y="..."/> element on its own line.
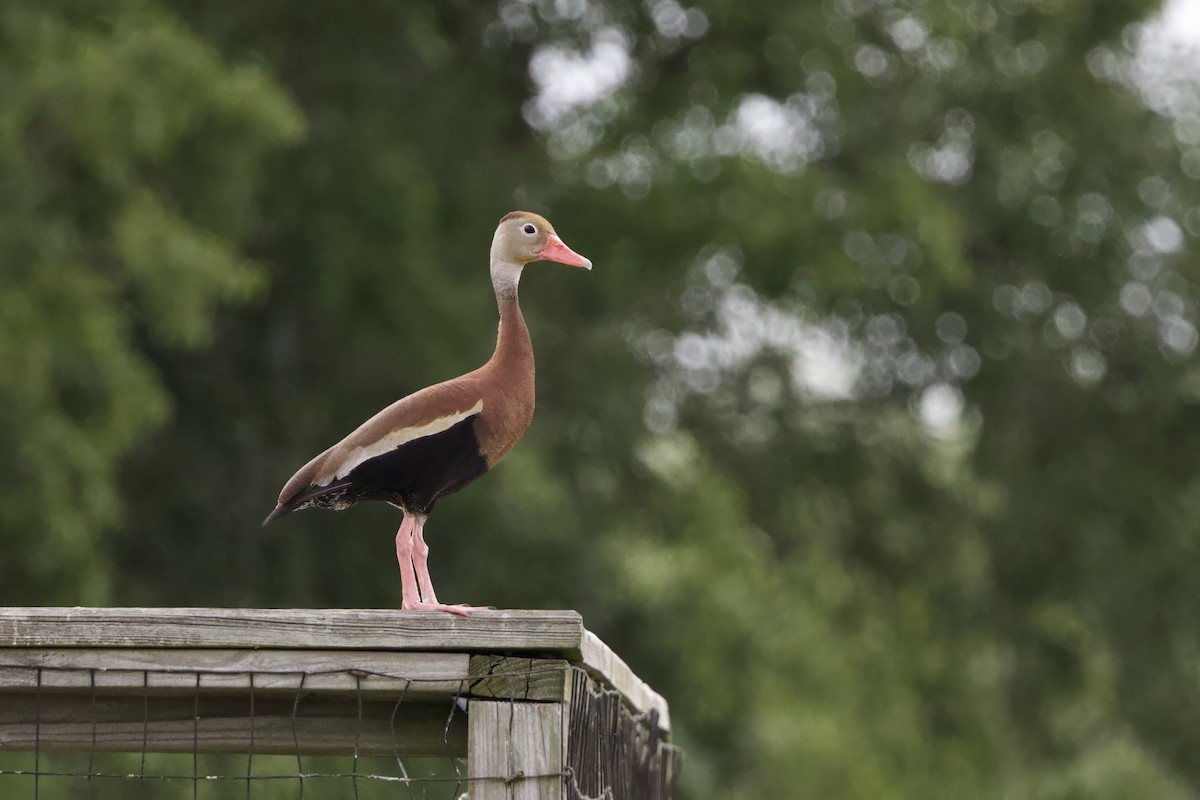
<point x="176" y="732"/>
<point x="612" y="753"/>
<point x="114" y="776"/>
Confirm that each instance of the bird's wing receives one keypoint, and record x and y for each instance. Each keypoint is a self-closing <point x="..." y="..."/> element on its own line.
<point x="427" y="412"/>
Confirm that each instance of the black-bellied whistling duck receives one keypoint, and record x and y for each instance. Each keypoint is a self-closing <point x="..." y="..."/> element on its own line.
<point x="439" y="439"/>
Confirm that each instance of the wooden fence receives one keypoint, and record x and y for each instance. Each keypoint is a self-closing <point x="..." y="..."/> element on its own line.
<point x="544" y="708"/>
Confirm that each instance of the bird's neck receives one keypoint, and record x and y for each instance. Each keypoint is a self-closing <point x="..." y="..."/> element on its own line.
<point x="514" y="349"/>
<point x="505" y="277"/>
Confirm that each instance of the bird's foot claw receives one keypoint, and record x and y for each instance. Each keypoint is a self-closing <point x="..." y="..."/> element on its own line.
<point x="459" y="608"/>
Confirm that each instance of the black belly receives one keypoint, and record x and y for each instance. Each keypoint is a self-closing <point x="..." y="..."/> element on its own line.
<point x="413" y="476"/>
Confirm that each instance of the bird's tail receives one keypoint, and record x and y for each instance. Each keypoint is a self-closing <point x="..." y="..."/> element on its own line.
<point x="280" y="510"/>
<point x="311" y="497"/>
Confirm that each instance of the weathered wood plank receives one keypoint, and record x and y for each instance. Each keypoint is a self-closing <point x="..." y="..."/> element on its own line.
<point x="189" y="631"/>
<point x="519" y="678"/>
<point x="608" y="668"/>
<point x="225" y="725"/>
<point x="543" y="632"/>
<point x="515" y="751"/>
<point x="374" y="673"/>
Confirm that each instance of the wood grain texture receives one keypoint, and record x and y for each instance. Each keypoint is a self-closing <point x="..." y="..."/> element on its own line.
<point x="607" y="667"/>
<point x="519" y="678"/>
<point x="373" y="673"/>
<point x="515" y="750"/>
<point x="226" y="725"/>
<point x="556" y="632"/>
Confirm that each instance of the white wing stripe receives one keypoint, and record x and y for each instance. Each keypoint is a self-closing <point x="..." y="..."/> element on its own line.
<point x="396" y="439"/>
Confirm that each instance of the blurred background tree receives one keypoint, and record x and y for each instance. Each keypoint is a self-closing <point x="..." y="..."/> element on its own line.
<point x="131" y="158"/>
<point x="868" y="442"/>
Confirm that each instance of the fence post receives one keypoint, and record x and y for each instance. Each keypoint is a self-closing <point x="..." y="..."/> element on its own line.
<point x="515" y="750"/>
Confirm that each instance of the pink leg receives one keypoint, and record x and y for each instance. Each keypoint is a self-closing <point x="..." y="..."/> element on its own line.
<point x="421" y="562"/>
<point x="409" y="594"/>
<point x="419" y="553"/>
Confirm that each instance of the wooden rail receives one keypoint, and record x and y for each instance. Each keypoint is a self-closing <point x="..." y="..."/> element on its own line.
<point x="127" y="679"/>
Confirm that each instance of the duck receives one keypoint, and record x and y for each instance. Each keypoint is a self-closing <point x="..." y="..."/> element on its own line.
<point x="437" y="440"/>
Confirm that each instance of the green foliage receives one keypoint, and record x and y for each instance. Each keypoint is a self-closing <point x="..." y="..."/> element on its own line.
<point x="868" y="442"/>
<point x="128" y="148"/>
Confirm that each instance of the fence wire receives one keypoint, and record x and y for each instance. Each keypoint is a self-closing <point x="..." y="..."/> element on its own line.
<point x="194" y="739"/>
<point x="613" y="754"/>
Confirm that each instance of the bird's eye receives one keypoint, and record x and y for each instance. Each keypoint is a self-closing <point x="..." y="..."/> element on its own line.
<point x="529" y="229"/>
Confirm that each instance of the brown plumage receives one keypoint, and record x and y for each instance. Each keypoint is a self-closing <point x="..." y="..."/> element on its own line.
<point x="439" y="439"/>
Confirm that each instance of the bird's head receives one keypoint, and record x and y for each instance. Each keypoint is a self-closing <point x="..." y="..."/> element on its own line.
<point x="523" y="237"/>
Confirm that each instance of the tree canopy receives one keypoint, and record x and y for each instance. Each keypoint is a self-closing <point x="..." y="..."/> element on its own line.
<point x="868" y="442"/>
